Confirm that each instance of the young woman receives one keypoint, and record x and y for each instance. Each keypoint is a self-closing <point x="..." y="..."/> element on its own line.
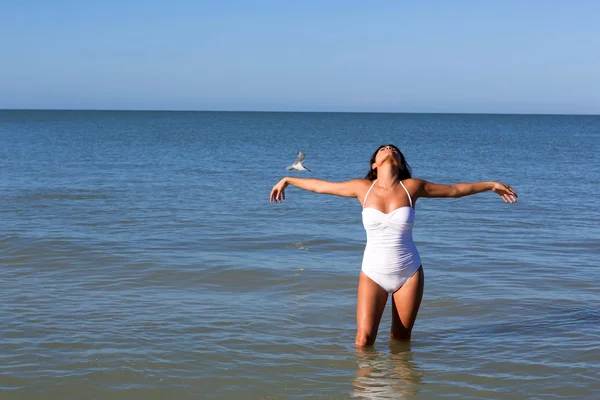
<point x="391" y="262"/>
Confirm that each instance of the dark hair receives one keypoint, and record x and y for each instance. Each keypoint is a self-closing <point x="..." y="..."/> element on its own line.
<point x="404" y="170"/>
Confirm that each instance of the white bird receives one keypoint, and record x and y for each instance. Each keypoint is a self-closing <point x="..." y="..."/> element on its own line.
<point x="297" y="165"/>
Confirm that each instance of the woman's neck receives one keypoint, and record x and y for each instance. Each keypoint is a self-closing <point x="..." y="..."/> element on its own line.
<point x="387" y="176"/>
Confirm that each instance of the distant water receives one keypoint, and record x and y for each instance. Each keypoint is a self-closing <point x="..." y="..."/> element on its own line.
<point x="140" y="258"/>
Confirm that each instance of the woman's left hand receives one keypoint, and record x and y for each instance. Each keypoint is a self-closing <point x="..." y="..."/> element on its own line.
<point x="278" y="191"/>
<point x="507" y="193"/>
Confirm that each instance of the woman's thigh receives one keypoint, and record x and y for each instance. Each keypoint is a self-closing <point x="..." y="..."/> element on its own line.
<point x="405" y="305"/>
<point x="369" y="309"/>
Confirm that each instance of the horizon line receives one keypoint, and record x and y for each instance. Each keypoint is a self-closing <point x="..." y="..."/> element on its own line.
<point x="297" y="111"/>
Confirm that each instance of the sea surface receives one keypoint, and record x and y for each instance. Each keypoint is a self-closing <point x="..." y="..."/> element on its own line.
<point x="140" y="257"/>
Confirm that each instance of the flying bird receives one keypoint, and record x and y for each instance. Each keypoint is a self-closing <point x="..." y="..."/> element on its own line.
<point x="297" y="165"/>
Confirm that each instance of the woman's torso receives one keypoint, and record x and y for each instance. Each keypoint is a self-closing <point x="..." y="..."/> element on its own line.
<point x="390" y="247"/>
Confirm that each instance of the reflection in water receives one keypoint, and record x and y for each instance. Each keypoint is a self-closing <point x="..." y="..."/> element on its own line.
<point x="386" y="376"/>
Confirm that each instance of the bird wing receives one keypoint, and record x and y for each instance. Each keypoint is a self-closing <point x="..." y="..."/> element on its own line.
<point x="301" y="157"/>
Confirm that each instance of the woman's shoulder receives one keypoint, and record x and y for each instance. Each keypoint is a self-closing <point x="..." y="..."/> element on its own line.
<point x="361" y="184"/>
<point x="361" y="181"/>
<point x="414" y="181"/>
<point x="414" y="185"/>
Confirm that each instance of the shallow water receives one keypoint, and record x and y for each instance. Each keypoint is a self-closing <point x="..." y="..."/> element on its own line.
<point x="140" y="257"/>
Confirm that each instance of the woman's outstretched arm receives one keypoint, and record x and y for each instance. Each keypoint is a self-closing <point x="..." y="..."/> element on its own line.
<point x="345" y="189"/>
<point x="429" y="189"/>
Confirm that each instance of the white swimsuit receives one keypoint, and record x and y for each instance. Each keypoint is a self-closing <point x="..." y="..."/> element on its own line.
<point x="391" y="256"/>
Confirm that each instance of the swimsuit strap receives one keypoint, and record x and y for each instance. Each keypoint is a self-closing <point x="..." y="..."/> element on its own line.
<point x="409" y="199"/>
<point x="368" y="191"/>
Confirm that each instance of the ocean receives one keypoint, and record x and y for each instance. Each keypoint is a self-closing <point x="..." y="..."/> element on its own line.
<point x="140" y="257"/>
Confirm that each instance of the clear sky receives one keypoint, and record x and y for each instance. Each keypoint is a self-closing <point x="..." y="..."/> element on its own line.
<point x="395" y="56"/>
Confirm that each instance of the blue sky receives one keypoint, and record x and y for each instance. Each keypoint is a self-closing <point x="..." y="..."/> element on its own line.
<point x="391" y="56"/>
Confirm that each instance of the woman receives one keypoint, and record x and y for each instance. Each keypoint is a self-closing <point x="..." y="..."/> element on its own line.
<point x="391" y="262"/>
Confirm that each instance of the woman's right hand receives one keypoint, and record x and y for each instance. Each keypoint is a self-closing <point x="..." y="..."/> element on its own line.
<point x="278" y="191"/>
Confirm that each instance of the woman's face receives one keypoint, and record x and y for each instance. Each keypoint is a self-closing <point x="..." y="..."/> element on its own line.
<point x="387" y="152"/>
